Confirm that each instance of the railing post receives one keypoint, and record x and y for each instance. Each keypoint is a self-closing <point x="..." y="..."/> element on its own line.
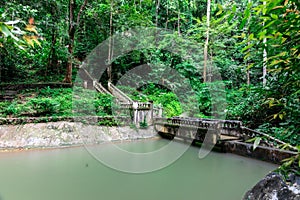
<point x="135" y="106"/>
<point x="151" y="113"/>
<point x="160" y="112"/>
<point x="85" y="84"/>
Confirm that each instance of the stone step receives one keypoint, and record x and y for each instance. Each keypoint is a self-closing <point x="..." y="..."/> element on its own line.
<point x="8" y="95"/>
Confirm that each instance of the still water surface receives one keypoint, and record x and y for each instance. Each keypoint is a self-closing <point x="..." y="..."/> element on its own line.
<point x="73" y="174"/>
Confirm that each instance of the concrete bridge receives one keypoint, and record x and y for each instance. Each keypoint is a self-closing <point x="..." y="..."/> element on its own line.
<point x="197" y="129"/>
<point x="226" y="135"/>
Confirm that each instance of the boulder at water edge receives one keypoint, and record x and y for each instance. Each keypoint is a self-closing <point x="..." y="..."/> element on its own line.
<point x="273" y="187"/>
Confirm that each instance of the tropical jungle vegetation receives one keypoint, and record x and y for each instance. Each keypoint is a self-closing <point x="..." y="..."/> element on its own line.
<point x="254" y="44"/>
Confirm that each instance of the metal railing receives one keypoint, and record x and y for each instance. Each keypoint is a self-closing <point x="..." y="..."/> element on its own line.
<point x="100" y="88"/>
<point x="86" y="75"/>
<point x="121" y="96"/>
<point x="201" y="123"/>
<point x="253" y="133"/>
<point x="226" y="127"/>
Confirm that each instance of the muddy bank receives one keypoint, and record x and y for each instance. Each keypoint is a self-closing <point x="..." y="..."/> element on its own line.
<point x="61" y="134"/>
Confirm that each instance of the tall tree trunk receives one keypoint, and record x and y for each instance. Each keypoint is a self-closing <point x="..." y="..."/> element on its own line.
<point x="72" y="30"/>
<point x="52" y="58"/>
<point x="248" y="70"/>
<point x="265" y="58"/>
<point x="209" y="67"/>
<point x="156" y="12"/>
<point x="248" y="77"/>
<point x="72" y="6"/>
<point x="206" y="41"/>
<point x="167" y="20"/>
<point x="109" y="57"/>
<point x="178" y="18"/>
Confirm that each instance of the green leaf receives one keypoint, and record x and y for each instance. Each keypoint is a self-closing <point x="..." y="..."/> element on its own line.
<point x="249" y="5"/>
<point x="220" y="9"/>
<point x="264" y="10"/>
<point x="289" y="163"/>
<point x="247" y="47"/>
<point x="274" y="16"/>
<point x="242" y="25"/>
<point x="19" y="46"/>
<point x="247" y="56"/>
<point x="247" y="13"/>
<point x="256" y="143"/>
<point x="230" y="17"/>
<point x="250" y="66"/>
<point x="287" y="159"/>
<point x="251" y="36"/>
<point x="234" y="8"/>
<point x="285" y="146"/>
<point x="283" y="39"/>
<point x="6" y="32"/>
<point x="262" y="34"/>
<point x="275" y="62"/>
<point x="281" y="116"/>
<point x="251" y="140"/>
<point x="219" y="12"/>
<point x="269" y="24"/>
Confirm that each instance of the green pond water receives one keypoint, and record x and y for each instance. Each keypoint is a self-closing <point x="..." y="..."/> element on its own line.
<point x="73" y="174"/>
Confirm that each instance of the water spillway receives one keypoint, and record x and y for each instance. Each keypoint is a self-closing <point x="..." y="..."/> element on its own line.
<point x="73" y="174"/>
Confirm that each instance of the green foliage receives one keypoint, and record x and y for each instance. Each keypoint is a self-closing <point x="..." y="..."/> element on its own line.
<point x="290" y="165"/>
<point x="172" y="107"/>
<point x="133" y="126"/>
<point x="238" y="31"/>
<point x="107" y="122"/>
<point x="144" y="124"/>
<point x="55" y="102"/>
<point x="169" y="101"/>
<point x="11" y="110"/>
<point x="256" y="141"/>
<point x="159" y="95"/>
<point x="10" y="30"/>
<point x="283" y="131"/>
<point x="245" y="104"/>
<point x="44" y="106"/>
<point x="272" y="26"/>
<point x="103" y="104"/>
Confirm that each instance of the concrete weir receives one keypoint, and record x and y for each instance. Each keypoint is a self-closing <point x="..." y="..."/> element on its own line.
<point x="226" y="135"/>
<point x="264" y="153"/>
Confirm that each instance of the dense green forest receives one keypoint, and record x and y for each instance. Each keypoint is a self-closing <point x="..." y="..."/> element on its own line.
<point x="253" y="44"/>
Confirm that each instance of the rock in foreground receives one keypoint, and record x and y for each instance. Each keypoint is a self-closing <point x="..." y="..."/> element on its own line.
<point x="273" y="187"/>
